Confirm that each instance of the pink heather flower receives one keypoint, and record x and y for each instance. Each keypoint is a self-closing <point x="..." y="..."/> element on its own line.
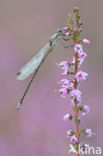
<point x="88" y="132"/>
<point x="67" y="84"/>
<point x="64" y="73"/>
<point x="74" y="140"/>
<point x="63" y="92"/>
<point x="81" y="54"/>
<point x="85" y="110"/>
<point x="81" y="76"/>
<point x="82" y="58"/>
<point x="78" y="101"/>
<point x="86" y="41"/>
<point x="78" y="48"/>
<point x="69" y="133"/>
<point x="66" y="117"/>
<point x="85" y="148"/>
<point x="64" y="65"/>
<point x="75" y="93"/>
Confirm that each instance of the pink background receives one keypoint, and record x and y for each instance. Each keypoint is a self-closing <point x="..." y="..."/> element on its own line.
<point x="38" y="129"/>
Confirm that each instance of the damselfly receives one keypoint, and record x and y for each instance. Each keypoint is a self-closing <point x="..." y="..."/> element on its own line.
<point x="34" y="64"/>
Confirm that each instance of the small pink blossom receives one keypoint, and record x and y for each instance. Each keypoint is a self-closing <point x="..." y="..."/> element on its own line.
<point x="66" y="117"/>
<point x="81" y="54"/>
<point x="75" y="93"/>
<point x="69" y="133"/>
<point x="88" y="132"/>
<point x="64" y="66"/>
<point x="85" y="110"/>
<point x="78" y="48"/>
<point x="67" y="84"/>
<point x="81" y="58"/>
<point x="81" y="76"/>
<point x="77" y="100"/>
<point x="63" y="92"/>
<point x="64" y="73"/>
<point x="74" y="140"/>
<point x="86" y="41"/>
<point x="85" y="148"/>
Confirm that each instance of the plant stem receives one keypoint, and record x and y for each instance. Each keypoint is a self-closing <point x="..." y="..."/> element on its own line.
<point x="76" y="107"/>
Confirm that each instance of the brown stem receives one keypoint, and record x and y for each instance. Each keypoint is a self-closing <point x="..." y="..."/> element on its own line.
<point x="76" y="107"/>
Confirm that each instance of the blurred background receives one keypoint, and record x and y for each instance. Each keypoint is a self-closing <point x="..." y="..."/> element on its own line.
<point x="38" y="128"/>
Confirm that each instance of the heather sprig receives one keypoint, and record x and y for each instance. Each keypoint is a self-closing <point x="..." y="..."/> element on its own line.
<point x="70" y="87"/>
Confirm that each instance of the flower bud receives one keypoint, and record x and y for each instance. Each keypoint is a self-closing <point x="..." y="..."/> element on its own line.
<point x="86" y="41"/>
